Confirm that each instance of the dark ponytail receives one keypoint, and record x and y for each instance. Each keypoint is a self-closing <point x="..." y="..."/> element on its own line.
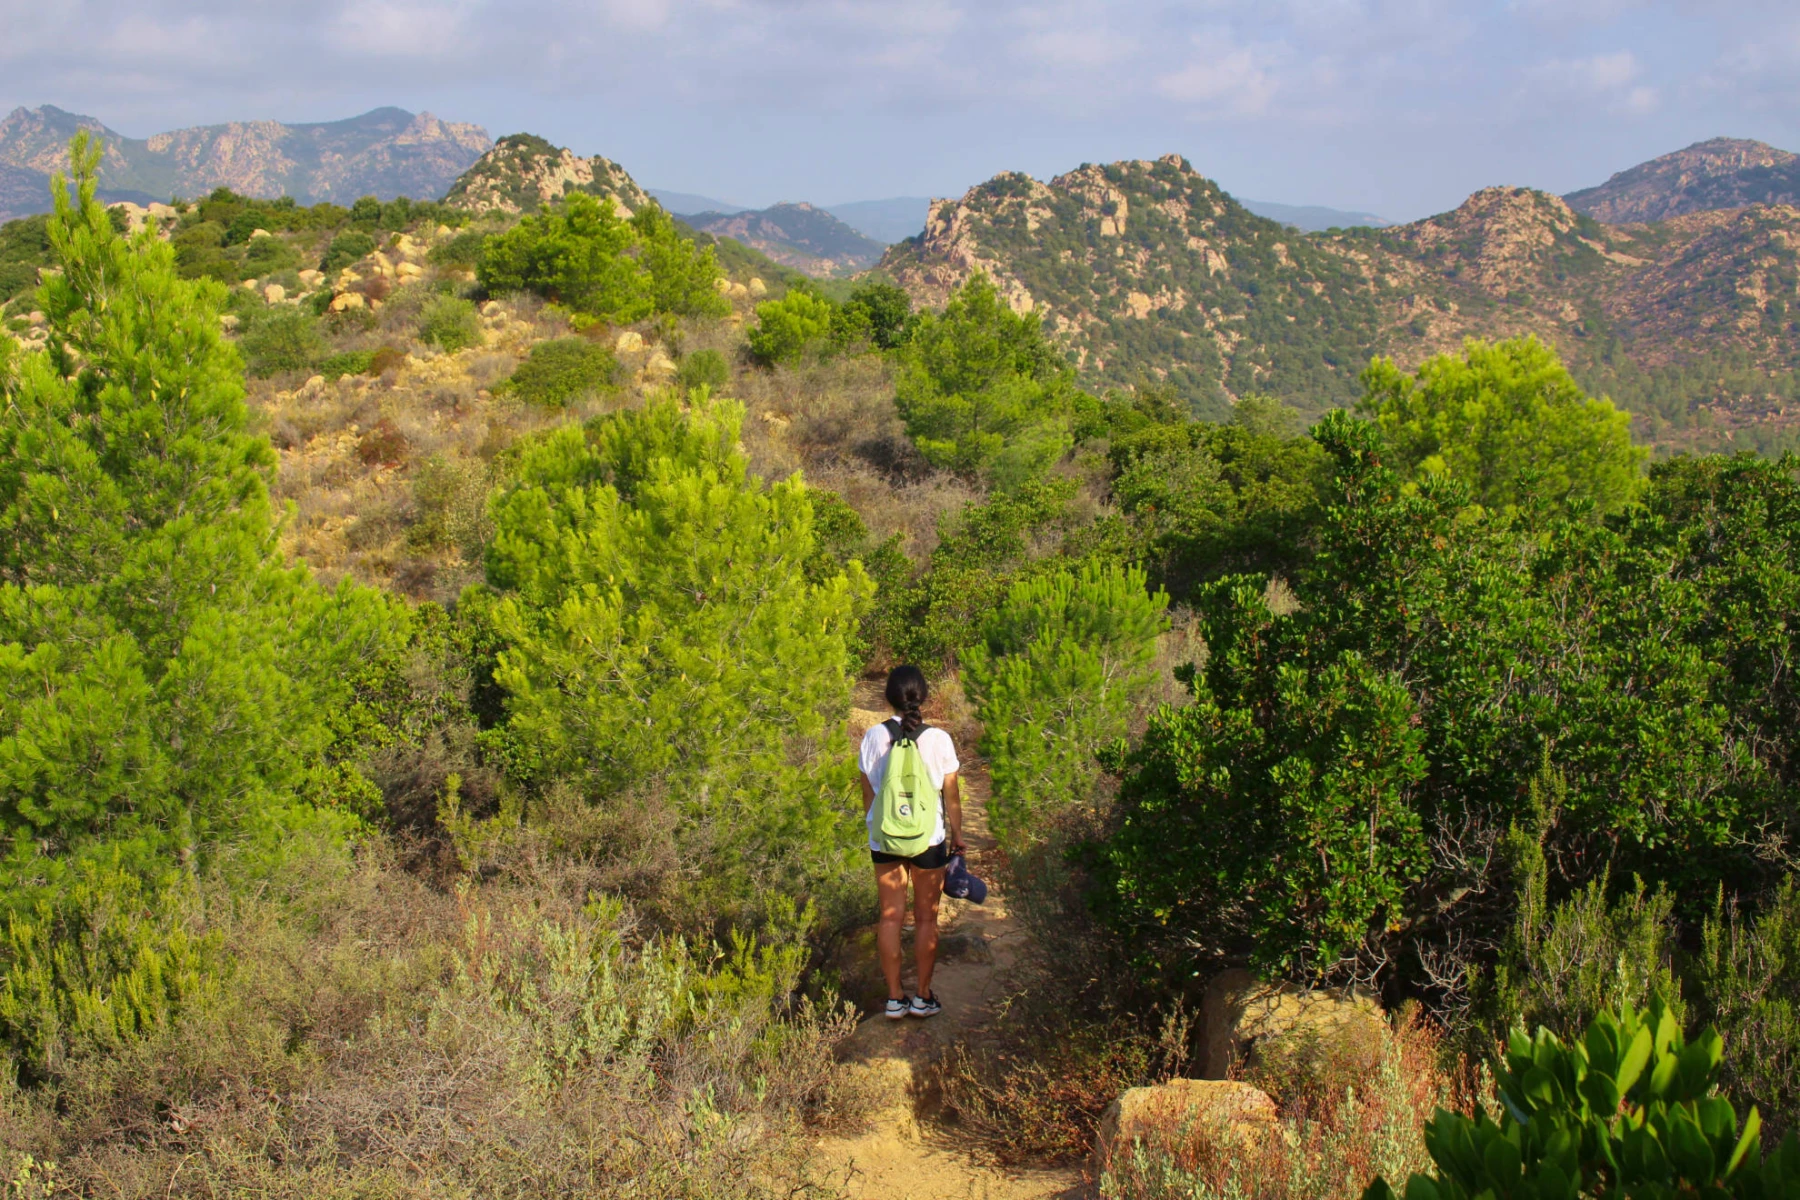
<point x="906" y="691"/>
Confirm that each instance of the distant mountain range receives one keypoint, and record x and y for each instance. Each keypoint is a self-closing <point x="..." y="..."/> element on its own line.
<point x="1311" y="217"/>
<point x="387" y="152"/>
<point x="885" y="221"/>
<point x="796" y="235"/>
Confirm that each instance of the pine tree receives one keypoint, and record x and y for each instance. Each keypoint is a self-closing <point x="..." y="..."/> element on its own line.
<point x="163" y="677"/>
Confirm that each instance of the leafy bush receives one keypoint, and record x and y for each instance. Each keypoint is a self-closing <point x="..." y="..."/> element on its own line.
<point x="463" y="250"/>
<point x="1347" y="758"/>
<point x="982" y="391"/>
<point x="575" y="257"/>
<point x="268" y="255"/>
<point x="1205" y="500"/>
<point x="346" y="249"/>
<point x="1062" y="664"/>
<point x="562" y="370"/>
<point x="105" y="961"/>
<point x="283" y="338"/>
<point x="786" y="328"/>
<point x="1627" y="1110"/>
<point x="981" y="551"/>
<point x="876" y="314"/>
<point x="703" y="369"/>
<point x="1507" y="419"/>
<point x="449" y="323"/>
<point x="349" y="362"/>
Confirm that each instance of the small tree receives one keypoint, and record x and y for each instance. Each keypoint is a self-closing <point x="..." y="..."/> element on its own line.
<point x="788" y="327"/>
<point x="165" y="681"/>
<point x="684" y="276"/>
<point x="981" y="390"/>
<point x="663" y="640"/>
<point x="1062" y="665"/>
<point x="575" y="256"/>
<point x="1507" y="419"/>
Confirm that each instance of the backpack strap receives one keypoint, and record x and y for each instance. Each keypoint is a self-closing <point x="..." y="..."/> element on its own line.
<point x="892" y="724"/>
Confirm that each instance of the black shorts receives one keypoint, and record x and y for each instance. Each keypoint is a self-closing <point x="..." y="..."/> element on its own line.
<point x="935" y="858"/>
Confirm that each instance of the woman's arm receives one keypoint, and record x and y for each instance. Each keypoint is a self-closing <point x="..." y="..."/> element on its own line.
<point x="952" y="811"/>
<point x="868" y="792"/>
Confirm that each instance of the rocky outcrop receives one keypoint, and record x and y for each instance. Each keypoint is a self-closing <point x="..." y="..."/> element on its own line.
<point x="1244" y="1017"/>
<point x="523" y="172"/>
<point x="1191" y="1119"/>
<point x="1717" y="174"/>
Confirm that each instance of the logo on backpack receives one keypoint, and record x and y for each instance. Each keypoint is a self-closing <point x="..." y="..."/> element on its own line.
<point x="906" y="814"/>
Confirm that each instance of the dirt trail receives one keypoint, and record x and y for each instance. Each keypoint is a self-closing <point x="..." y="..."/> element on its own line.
<point x="905" y="1155"/>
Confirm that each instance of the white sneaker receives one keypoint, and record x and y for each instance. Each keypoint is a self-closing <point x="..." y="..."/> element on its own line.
<point x="896" y="1009"/>
<point x="924" y="1006"/>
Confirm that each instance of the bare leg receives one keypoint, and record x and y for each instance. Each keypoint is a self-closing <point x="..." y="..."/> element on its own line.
<point x="927" y="887"/>
<point x="890" y="883"/>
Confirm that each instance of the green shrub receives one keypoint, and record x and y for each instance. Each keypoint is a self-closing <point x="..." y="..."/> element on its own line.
<point x="283" y="338"/>
<point x="345" y="250"/>
<point x="1628" y="1110"/>
<point x="786" y="328"/>
<point x="449" y="323"/>
<point x="100" y="964"/>
<point x="878" y="315"/>
<point x="576" y="256"/>
<point x="1344" y="750"/>
<point x="1063" y="663"/>
<point x="350" y="362"/>
<point x="703" y="369"/>
<point x="558" y="372"/>
<point x="682" y="276"/>
<point x="463" y="250"/>
<point x="269" y="255"/>
<point x="1746" y="982"/>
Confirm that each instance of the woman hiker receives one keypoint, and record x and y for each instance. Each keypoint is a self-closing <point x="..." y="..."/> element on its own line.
<point x="912" y="832"/>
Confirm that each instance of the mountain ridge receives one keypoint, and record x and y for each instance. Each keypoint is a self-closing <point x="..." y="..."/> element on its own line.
<point x="1149" y="272"/>
<point x="1718" y="173"/>
<point x="798" y="235"/>
<point x="385" y="152"/>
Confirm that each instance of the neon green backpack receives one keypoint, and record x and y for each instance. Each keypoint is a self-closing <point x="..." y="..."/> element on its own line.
<point x="906" y="811"/>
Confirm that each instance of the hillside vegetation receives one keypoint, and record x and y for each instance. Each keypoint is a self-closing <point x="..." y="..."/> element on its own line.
<point x="1146" y="271"/>
<point x="428" y="641"/>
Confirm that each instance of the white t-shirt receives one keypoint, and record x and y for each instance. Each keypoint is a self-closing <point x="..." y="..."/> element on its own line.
<point x="935" y="747"/>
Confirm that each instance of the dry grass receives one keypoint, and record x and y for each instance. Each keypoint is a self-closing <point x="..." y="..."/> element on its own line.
<point x="380" y="1037"/>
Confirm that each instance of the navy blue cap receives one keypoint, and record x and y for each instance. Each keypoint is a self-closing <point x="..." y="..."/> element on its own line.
<point x="962" y="884"/>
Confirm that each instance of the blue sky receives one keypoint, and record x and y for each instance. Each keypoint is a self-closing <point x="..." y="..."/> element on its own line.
<point x="1400" y="107"/>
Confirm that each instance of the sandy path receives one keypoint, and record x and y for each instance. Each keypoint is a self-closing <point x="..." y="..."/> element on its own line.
<point x="905" y="1155"/>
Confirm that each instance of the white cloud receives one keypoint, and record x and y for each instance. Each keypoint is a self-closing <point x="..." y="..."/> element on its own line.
<point x="1614" y="79"/>
<point x="1223" y="76"/>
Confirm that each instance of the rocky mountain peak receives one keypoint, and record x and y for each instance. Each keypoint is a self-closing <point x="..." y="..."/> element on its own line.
<point x="1719" y="173"/>
<point x="523" y="171"/>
